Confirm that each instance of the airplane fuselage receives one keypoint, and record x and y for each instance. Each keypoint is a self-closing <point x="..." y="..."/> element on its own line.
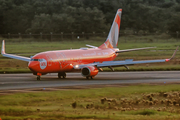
<point x="64" y="60"/>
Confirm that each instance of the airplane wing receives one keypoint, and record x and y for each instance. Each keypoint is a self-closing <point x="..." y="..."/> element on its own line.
<point x="11" y="55"/>
<point x="135" y="49"/>
<point x="123" y="63"/>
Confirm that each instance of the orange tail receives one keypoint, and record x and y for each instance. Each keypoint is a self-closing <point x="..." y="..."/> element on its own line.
<point x="112" y="39"/>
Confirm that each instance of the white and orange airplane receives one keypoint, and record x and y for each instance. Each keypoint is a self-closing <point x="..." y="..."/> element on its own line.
<point x="87" y="60"/>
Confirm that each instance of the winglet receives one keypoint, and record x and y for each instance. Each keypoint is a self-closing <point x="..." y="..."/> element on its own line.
<point x="172" y="55"/>
<point x="3" y="47"/>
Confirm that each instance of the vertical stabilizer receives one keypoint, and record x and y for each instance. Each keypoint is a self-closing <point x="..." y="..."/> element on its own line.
<point x="112" y="39"/>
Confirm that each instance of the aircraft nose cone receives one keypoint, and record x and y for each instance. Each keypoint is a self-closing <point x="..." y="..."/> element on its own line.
<point x="33" y="65"/>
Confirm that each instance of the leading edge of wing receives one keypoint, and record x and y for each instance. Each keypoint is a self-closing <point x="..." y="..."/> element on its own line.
<point x="125" y="62"/>
<point x="11" y="55"/>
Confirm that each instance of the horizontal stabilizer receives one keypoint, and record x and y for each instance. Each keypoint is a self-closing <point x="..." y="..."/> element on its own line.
<point x="91" y="46"/>
<point x="135" y="49"/>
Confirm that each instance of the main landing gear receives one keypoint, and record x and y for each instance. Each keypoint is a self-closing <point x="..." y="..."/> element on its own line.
<point x="62" y="75"/>
<point x="89" y="77"/>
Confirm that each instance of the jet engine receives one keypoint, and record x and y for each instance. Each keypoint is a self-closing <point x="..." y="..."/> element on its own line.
<point x="89" y="71"/>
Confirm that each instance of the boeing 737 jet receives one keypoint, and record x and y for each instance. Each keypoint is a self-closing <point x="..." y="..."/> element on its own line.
<point x="88" y="60"/>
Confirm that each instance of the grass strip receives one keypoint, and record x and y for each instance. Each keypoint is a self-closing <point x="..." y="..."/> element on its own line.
<point x="125" y="102"/>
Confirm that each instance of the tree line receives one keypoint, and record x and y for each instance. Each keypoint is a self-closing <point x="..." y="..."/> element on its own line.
<point x="56" y="16"/>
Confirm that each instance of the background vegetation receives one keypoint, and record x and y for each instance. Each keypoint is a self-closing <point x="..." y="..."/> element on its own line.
<point x="56" y="16"/>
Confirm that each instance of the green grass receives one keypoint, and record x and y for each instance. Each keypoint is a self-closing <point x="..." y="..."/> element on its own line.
<point x="58" y="104"/>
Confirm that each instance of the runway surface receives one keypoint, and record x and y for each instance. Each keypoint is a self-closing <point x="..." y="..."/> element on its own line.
<point x="26" y="81"/>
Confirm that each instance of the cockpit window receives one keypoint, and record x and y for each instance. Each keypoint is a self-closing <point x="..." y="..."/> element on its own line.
<point x="36" y="59"/>
<point x="40" y="59"/>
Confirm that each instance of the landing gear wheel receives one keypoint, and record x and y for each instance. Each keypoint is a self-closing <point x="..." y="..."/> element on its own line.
<point x="38" y="78"/>
<point x="59" y="75"/>
<point x="89" y="77"/>
<point x="62" y="75"/>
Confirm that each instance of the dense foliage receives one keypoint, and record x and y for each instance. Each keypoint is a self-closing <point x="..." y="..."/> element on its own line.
<point x="35" y="16"/>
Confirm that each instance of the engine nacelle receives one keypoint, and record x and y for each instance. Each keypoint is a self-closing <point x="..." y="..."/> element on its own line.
<point x="89" y="71"/>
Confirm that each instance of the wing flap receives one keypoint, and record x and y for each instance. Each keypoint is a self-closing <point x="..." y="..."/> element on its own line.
<point x="122" y="63"/>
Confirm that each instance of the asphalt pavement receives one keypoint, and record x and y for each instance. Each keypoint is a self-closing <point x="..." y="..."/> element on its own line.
<point x="27" y="81"/>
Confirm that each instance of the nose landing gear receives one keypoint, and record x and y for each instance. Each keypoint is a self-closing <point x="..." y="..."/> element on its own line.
<point x="39" y="76"/>
<point x="89" y="77"/>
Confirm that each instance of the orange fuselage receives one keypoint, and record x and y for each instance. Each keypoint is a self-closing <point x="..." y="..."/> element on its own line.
<point x="65" y="60"/>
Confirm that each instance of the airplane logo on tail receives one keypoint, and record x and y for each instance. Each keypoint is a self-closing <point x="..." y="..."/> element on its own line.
<point x="113" y="36"/>
<point x="114" y="32"/>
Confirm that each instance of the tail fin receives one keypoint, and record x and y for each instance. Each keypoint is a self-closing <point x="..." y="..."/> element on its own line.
<point x="112" y="39"/>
